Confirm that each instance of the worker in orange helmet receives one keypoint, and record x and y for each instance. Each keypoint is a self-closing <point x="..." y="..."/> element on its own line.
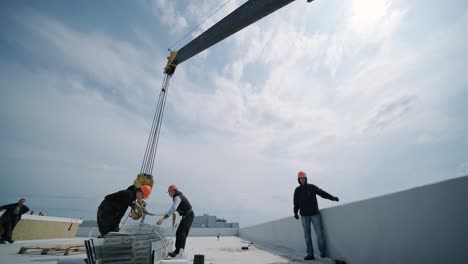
<point x="305" y="203"/>
<point x="182" y="205"/>
<point x="114" y="206"/>
<point x="146" y="191"/>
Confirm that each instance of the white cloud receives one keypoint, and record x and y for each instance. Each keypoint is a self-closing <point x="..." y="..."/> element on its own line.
<point x="389" y="112"/>
<point x="366" y="15"/>
<point x="464" y="169"/>
<point x="286" y="100"/>
<point x="166" y="12"/>
<point x="121" y="68"/>
<point x="82" y="131"/>
<point x="427" y="139"/>
<point x="234" y="70"/>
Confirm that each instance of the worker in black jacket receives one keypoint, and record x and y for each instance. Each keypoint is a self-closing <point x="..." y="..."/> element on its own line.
<point x="305" y="202"/>
<point x="182" y="205"/>
<point x="114" y="206"/>
<point x="10" y="218"/>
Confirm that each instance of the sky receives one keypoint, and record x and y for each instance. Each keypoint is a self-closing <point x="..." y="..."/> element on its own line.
<point x="368" y="97"/>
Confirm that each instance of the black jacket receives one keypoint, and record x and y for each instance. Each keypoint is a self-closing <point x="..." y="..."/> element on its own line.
<point x="9" y="216"/>
<point x="117" y="203"/>
<point x="305" y="199"/>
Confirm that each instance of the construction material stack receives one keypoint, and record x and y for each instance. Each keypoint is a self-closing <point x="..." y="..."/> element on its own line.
<point x="134" y="243"/>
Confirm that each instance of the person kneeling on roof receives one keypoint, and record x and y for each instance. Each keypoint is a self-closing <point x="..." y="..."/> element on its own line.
<point x="182" y="205"/>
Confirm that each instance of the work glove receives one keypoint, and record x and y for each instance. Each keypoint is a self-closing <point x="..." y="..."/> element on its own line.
<point x="335" y="199"/>
<point x="296" y="216"/>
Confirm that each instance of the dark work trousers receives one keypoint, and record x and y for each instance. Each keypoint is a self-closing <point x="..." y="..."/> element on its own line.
<point x="107" y="220"/>
<point x="183" y="231"/>
<point x="8" y="227"/>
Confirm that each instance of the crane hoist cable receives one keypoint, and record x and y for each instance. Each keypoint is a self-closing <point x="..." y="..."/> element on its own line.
<point x="153" y="139"/>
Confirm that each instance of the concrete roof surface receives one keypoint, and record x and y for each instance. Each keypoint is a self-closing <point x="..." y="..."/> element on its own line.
<point x="225" y="251"/>
<point x="9" y="252"/>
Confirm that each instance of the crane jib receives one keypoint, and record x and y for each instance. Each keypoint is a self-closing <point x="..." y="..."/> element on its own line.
<point x="247" y="14"/>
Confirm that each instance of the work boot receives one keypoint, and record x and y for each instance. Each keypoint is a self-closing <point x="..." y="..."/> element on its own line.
<point x="309" y="257"/>
<point x="172" y="254"/>
<point x="11" y="241"/>
<point x="2" y="242"/>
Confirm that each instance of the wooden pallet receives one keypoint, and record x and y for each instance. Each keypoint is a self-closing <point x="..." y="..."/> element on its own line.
<point x="45" y="249"/>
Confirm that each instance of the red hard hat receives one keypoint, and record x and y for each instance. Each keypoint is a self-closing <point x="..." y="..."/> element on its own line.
<point x="301" y="174"/>
<point x="171" y="188"/>
<point x="146" y="190"/>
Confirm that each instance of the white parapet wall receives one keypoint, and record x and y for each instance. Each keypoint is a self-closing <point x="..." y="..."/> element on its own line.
<point x="428" y="224"/>
<point x="32" y="227"/>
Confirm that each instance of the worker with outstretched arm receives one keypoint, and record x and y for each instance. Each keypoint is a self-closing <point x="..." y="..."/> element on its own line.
<point x="305" y="203"/>
<point x="10" y="218"/>
<point x="182" y="205"/>
<point x="114" y="206"/>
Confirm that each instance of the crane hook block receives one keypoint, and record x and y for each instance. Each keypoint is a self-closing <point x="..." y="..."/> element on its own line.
<point x="143" y="179"/>
<point x="171" y="66"/>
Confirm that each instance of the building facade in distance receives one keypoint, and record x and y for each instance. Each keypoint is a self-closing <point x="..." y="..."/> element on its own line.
<point x="210" y="221"/>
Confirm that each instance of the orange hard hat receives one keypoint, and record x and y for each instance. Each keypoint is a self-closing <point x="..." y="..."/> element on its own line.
<point x="146" y="190"/>
<point x="171" y="188"/>
<point x="301" y="174"/>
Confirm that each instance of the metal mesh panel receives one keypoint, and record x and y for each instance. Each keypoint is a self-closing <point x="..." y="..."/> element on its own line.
<point x="115" y="249"/>
<point x="131" y="245"/>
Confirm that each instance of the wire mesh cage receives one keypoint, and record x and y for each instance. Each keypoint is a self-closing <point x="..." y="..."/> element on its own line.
<point x="134" y="244"/>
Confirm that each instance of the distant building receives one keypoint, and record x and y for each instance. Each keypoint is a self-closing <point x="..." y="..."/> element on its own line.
<point x="210" y="221"/>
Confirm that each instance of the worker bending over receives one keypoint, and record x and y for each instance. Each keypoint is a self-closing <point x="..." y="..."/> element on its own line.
<point x="114" y="206"/>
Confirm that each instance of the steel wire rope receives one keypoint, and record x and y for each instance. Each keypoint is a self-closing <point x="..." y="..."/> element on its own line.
<point x="158" y="132"/>
<point x="153" y="139"/>
<point x="150" y="138"/>
<point x="158" y="125"/>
